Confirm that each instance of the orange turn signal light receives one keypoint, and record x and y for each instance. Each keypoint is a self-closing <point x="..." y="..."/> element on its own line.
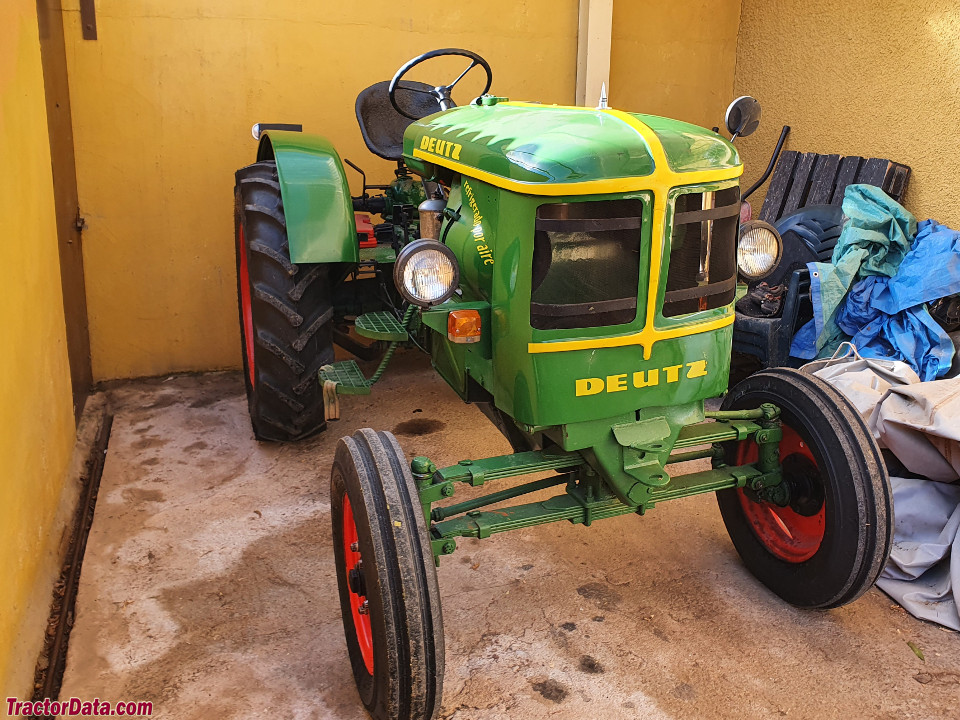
<point x="463" y="326"/>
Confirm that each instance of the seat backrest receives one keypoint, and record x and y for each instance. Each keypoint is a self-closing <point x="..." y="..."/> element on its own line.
<point x="804" y="179"/>
<point x="381" y="125"/>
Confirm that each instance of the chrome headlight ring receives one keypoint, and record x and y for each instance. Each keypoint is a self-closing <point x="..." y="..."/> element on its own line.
<point x="426" y="273"/>
<point x="759" y="250"/>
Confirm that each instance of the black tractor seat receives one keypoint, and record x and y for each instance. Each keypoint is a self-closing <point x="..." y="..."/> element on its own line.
<point x="381" y="125"/>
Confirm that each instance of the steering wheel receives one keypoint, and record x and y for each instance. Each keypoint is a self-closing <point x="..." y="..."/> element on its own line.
<point x="441" y="92"/>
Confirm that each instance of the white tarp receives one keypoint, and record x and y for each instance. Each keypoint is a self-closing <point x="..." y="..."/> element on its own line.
<point x="923" y="573"/>
<point x="919" y="422"/>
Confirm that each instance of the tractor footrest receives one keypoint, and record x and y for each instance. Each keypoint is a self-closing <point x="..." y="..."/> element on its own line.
<point x="348" y="377"/>
<point x="380" y="325"/>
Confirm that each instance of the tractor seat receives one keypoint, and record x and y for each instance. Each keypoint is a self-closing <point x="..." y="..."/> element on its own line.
<point x="381" y="125"/>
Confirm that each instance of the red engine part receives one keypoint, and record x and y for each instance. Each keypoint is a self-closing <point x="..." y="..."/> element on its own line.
<point x="365" y="230"/>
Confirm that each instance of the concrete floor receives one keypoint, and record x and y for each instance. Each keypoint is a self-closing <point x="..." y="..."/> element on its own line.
<point x="208" y="588"/>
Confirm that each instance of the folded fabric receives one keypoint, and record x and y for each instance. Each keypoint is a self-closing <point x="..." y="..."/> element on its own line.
<point x="874" y="241"/>
<point x="931" y="270"/>
<point x="919" y="424"/>
<point x="909" y="334"/>
<point x="864" y="382"/>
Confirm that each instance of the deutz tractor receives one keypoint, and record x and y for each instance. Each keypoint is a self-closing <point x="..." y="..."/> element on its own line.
<point x="572" y="272"/>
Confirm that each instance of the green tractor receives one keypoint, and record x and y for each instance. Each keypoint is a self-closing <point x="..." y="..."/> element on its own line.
<point x="571" y="271"/>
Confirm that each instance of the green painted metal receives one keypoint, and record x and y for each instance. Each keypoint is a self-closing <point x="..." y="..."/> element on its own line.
<point x="720" y="431"/>
<point x="712" y="452"/>
<point x="519" y="144"/>
<point x="348" y="376"/>
<point x="550" y="144"/>
<point x="479" y="524"/>
<point x="587" y="498"/>
<point x="316" y="198"/>
<point x="469" y="505"/>
<point x="403" y="190"/>
<point x="493" y="244"/>
<point x="691" y="147"/>
<point x="477" y="472"/>
<point x="380" y="325"/>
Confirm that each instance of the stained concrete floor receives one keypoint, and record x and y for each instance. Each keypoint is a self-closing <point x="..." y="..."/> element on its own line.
<point x="208" y="588"/>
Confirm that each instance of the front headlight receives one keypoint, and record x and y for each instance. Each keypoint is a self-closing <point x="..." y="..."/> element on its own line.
<point x="759" y="250"/>
<point x="426" y="273"/>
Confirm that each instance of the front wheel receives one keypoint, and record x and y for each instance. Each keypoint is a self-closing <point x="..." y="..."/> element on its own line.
<point x="828" y="545"/>
<point x="389" y="597"/>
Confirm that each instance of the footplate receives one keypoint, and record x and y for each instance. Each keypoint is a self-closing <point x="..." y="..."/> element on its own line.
<point x="348" y="377"/>
<point x="380" y="325"/>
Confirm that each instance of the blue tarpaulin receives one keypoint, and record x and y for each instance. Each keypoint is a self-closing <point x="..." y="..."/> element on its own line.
<point x="873" y="293"/>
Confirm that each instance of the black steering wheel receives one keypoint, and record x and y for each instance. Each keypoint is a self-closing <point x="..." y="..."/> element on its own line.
<point x="441" y="92"/>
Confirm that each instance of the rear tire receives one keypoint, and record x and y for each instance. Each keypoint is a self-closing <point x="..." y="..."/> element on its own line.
<point x="389" y="597"/>
<point x="286" y="314"/>
<point x="829" y="545"/>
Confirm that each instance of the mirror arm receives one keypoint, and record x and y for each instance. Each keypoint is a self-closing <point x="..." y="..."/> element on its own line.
<point x="773" y="161"/>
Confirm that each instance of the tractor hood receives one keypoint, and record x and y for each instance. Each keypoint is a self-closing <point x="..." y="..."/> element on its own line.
<point x="556" y="150"/>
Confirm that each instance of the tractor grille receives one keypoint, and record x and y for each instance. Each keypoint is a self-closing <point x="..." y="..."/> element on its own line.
<point x="586" y="264"/>
<point x="702" y="274"/>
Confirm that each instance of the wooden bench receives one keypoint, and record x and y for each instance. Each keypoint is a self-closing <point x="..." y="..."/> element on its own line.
<point x="802" y="179"/>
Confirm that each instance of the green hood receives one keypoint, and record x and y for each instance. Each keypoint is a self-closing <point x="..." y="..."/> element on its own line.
<point x="550" y="149"/>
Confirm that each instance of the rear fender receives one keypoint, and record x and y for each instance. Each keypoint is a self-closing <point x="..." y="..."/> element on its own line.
<point x="316" y="198"/>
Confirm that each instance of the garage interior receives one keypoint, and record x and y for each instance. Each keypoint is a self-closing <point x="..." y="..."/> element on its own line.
<point x="207" y="582"/>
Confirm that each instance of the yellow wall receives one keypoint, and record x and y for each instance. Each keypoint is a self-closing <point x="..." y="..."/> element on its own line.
<point x="674" y="59"/>
<point x="879" y="78"/>
<point x="162" y="107"/>
<point x="36" y="412"/>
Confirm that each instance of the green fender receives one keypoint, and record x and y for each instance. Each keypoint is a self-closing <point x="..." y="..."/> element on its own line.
<point x="316" y="198"/>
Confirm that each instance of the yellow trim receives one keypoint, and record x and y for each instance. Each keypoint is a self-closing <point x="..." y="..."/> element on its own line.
<point x="645" y="338"/>
<point x="662" y="177"/>
<point x="584" y="187"/>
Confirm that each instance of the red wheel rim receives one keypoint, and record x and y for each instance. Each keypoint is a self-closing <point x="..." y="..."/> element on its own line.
<point x="245" y="307"/>
<point x="351" y="557"/>
<point x="788" y="535"/>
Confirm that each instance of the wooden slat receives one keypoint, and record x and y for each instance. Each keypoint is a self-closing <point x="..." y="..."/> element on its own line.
<point x="873" y="171"/>
<point x="801" y="180"/>
<point x="779" y="186"/>
<point x="845" y="176"/>
<point x="895" y="183"/>
<point x="805" y="179"/>
<point x="823" y="179"/>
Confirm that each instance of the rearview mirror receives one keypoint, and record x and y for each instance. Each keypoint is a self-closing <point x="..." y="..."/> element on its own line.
<point x="743" y="116"/>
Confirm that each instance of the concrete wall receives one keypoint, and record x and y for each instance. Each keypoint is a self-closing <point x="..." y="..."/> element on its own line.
<point x="674" y="59"/>
<point x="162" y="106"/>
<point x="36" y="414"/>
<point x="877" y="78"/>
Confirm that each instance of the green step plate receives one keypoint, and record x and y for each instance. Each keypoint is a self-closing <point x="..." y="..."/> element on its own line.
<point x="348" y="376"/>
<point x="380" y="325"/>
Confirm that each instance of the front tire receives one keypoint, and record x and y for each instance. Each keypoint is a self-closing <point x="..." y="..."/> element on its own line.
<point x="829" y="545"/>
<point x="389" y="597"/>
<point x="286" y="314"/>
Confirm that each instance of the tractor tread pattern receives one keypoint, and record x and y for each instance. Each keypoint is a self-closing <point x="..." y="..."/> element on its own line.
<point x="262" y="292"/>
<point x="297" y="291"/>
<point x="292" y="311"/>
<point x="275" y="255"/>
<point x="275" y="213"/>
